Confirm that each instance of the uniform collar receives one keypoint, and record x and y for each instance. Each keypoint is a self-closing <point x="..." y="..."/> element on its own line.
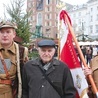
<point x="12" y="48"/>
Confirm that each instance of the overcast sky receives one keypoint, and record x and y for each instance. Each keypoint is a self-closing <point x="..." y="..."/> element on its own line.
<point x="3" y="3"/>
<point x="75" y="2"/>
<point x="6" y="2"/>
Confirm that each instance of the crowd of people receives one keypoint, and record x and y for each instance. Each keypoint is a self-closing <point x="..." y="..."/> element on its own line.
<point x="89" y="52"/>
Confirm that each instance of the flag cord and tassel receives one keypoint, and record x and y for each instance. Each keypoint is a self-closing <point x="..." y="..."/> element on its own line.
<point x="95" y="91"/>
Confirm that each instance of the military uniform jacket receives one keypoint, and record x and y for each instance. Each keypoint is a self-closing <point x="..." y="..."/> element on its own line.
<point x="94" y="66"/>
<point x="36" y="86"/>
<point x="18" y="69"/>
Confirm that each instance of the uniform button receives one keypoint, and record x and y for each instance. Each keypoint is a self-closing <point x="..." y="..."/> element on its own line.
<point x="42" y="85"/>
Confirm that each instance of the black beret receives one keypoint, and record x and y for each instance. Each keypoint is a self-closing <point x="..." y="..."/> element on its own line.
<point x="46" y="42"/>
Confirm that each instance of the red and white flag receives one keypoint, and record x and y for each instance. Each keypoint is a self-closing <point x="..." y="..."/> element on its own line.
<point x="69" y="55"/>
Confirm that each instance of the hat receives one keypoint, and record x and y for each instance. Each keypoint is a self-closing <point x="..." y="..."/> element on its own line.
<point x="46" y="42"/>
<point x="10" y="24"/>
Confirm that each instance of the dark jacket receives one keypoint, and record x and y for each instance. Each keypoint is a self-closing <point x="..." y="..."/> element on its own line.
<point x="36" y="86"/>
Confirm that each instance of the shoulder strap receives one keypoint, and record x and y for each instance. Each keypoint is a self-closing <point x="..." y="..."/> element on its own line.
<point x="48" y="79"/>
<point x="4" y="65"/>
<point x="21" y="53"/>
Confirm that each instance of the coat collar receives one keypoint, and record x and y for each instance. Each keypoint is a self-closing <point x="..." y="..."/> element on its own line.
<point x="54" y="63"/>
<point x="37" y="61"/>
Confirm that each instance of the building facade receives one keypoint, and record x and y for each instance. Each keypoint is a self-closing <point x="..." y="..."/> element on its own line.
<point x="44" y="17"/>
<point x="85" y="19"/>
<point x="92" y="13"/>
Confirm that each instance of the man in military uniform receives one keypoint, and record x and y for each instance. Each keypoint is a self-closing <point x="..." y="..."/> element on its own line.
<point x="9" y="51"/>
<point x="93" y="70"/>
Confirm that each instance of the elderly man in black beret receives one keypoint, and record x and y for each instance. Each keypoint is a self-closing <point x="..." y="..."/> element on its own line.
<point x="47" y="77"/>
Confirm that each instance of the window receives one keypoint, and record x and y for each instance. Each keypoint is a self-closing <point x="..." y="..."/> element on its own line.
<point x="39" y="5"/>
<point x="97" y="7"/>
<point x="82" y="25"/>
<point x="97" y="17"/>
<point x="39" y="19"/>
<point x="91" y="18"/>
<point x="74" y="15"/>
<point x="47" y="2"/>
<point x="91" y="9"/>
<point x="96" y="28"/>
<point x="79" y="13"/>
<point x="48" y="17"/>
<point x="91" y="29"/>
<point x="47" y="23"/>
<point x="48" y="9"/>
<point x="79" y="22"/>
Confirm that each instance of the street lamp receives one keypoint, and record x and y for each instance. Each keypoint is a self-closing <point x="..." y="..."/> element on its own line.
<point x="83" y="39"/>
<point x="38" y="31"/>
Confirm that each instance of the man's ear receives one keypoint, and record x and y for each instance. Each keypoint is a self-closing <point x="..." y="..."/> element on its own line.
<point x="56" y="52"/>
<point x="14" y="34"/>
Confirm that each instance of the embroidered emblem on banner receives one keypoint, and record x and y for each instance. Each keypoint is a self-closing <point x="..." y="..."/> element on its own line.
<point x="78" y="81"/>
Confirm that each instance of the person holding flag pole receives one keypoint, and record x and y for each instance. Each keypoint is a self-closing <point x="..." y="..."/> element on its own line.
<point x="68" y="55"/>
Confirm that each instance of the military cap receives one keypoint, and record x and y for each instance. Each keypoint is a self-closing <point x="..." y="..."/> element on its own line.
<point x="46" y="42"/>
<point x="10" y="24"/>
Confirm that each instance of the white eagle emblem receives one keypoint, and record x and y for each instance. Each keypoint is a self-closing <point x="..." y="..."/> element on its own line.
<point x="78" y="81"/>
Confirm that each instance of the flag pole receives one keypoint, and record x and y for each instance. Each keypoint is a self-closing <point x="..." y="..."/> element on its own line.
<point x="58" y="48"/>
<point x="59" y="40"/>
<point x="95" y="91"/>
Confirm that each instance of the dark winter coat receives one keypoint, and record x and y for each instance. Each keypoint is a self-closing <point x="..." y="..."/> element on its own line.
<point x="36" y="86"/>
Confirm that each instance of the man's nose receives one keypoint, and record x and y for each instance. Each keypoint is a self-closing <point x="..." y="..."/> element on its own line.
<point x="4" y="34"/>
<point x="46" y="52"/>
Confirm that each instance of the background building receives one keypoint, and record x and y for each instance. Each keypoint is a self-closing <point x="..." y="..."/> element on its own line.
<point x="85" y="20"/>
<point x="78" y="17"/>
<point x="92" y="13"/>
<point x="44" y="19"/>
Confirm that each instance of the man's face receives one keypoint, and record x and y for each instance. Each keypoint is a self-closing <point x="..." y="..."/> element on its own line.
<point x="46" y="53"/>
<point x="6" y="36"/>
